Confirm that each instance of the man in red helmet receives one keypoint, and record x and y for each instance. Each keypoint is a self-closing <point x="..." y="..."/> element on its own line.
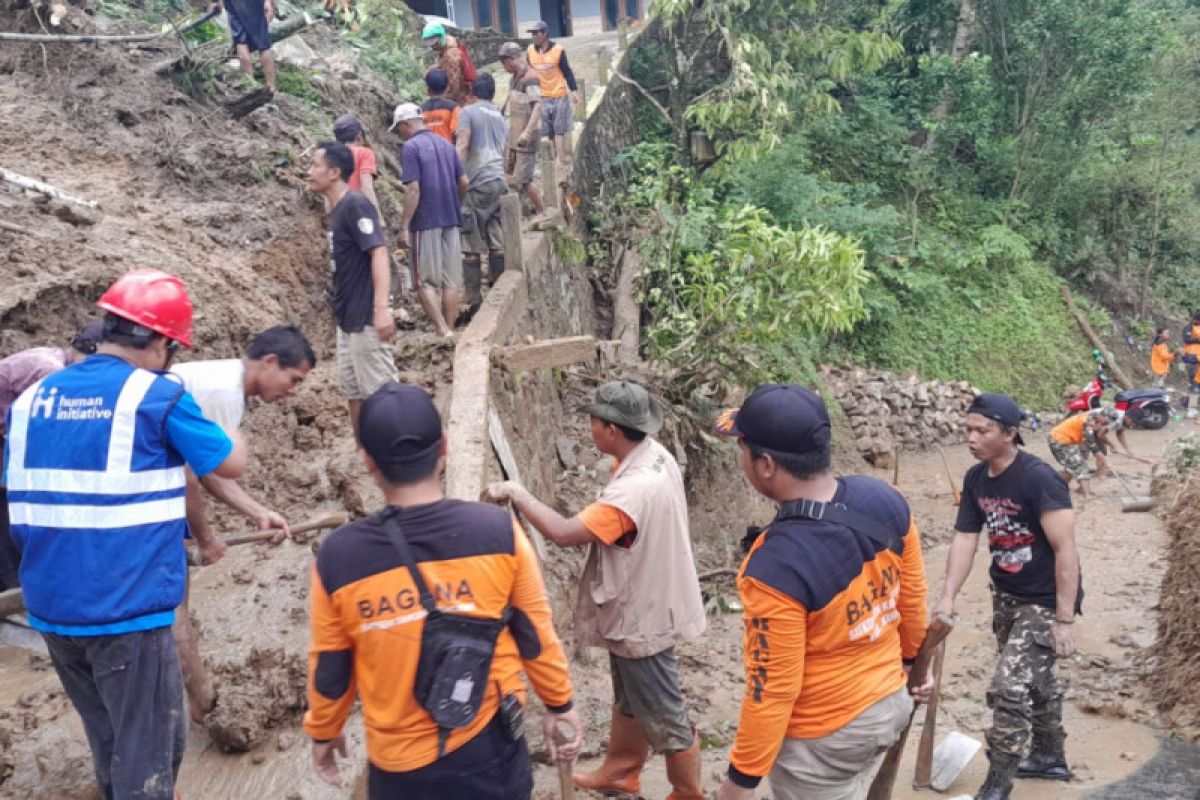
<point x="95" y="465"/>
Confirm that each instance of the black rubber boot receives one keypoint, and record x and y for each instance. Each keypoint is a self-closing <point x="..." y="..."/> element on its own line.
<point x="1046" y="761"/>
<point x="999" y="782"/>
<point x="472" y="281"/>
<point x="495" y="267"/>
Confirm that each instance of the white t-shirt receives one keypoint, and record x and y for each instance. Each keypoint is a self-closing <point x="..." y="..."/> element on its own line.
<point x="219" y="389"/>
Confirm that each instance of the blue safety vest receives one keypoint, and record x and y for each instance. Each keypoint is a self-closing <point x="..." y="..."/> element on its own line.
<point x="96" y="499"/>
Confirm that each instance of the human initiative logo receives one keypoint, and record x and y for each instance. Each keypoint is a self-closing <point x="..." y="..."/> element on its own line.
<point x="48" y="404"/>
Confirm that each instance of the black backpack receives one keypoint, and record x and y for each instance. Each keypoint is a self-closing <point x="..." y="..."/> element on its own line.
<point x="456" y="652"/>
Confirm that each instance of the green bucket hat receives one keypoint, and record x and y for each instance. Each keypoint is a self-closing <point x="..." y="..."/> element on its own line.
<point x="627" y="404"/>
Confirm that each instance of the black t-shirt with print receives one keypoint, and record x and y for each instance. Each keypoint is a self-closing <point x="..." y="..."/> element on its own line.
<point x="353" y="234"/>
<point x="1011" y="506"/>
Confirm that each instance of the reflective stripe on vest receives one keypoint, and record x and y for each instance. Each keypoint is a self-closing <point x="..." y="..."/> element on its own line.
<point x="101" y="547"/>
<point x="554" y="85"/>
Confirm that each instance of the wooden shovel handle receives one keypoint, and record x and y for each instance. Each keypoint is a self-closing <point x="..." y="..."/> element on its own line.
<point x="327" y="521"/>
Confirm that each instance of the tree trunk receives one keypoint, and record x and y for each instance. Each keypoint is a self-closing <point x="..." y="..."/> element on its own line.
<point x="1086" y="327"/>
<point x="964" y="34"/>
<point x="1156" y="226"/>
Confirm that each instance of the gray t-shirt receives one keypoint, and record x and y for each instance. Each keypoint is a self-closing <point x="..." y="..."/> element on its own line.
<point x="489" y="133"/>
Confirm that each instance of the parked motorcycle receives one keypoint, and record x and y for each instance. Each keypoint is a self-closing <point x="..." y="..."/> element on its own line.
<point x="1145" y="409"/>
<point x="1090" y="397"/>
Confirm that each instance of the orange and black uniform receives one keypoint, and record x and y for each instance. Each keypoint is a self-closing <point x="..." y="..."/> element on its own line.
<point x="367" y="622"/>
<point x="829" y="616"/>
<point x="441" y="117"/>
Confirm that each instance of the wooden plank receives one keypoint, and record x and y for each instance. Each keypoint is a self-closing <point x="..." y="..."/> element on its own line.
<point x="508" y="463"/>
<point x="550" y="353"/>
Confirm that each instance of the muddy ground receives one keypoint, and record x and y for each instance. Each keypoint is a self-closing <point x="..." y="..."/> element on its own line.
<point x="1109" y="718"/>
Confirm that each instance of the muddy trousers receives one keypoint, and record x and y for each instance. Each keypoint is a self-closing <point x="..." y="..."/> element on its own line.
<point x="128" y="691"/>
<point x="489" y="767"/>
<point x="648" y="690"/>
<point x="1024" y="695"/>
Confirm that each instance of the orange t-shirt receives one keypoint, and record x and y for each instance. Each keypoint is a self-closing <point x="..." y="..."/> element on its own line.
<point x="609" y="524"/>
<point x="364" y="164"/>
<point x="441" y="117"/>
<point x="1070" y="430"/>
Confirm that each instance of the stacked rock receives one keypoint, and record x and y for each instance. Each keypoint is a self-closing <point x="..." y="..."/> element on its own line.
<point x="888" y="412"/>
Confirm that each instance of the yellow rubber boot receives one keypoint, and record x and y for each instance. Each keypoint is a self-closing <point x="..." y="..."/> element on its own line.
<point x="623" y="763"/>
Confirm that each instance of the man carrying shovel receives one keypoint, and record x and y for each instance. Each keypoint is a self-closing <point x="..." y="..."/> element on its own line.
<point x="1036" y="591"/>
<point x="834" y="597"/>
<point x="275" y="364"/>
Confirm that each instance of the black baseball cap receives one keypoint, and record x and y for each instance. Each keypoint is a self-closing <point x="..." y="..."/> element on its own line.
<point x="401" y="431"/>
<point x="347" y="127"/>
<point x="1002" y="409"/>
<point x="781" y="417"/>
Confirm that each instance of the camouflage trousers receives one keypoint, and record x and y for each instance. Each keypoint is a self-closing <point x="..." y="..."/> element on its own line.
<point x="1072" y="457"/>
<point x="1024" y="696"/>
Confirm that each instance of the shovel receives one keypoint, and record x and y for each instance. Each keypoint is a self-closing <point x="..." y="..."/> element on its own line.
<point x="1132" y="502"/>
<point x="566" y="781"/>
<point x="951" y="757"/>
<point x="327" y="521"/>
<point x="885" y="779"/>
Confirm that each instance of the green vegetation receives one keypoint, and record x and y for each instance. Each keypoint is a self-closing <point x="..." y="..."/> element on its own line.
<point x="377" y="29"/>
<point x="294" y="81"/>
<point x="973" y="154"/>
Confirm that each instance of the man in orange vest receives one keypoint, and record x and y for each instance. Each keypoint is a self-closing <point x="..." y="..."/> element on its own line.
<point x="549" y="62"/>
<point x="1191" y="360"/>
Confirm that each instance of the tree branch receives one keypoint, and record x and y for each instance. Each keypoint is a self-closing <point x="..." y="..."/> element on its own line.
<point x="661" y="108"/>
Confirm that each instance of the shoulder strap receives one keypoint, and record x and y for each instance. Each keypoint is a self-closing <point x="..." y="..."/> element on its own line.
<point x="839" y="514"/>
<point x="391" y="521"/>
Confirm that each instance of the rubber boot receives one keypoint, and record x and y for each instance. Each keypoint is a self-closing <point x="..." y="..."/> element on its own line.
<point x="623" y="763"/>
<point x="472" y="281"/>
<point x="495" y="267"/>
<point x="1045" y="761"/>
<point x="998" y="784"/>
<point x="683" y="771"/>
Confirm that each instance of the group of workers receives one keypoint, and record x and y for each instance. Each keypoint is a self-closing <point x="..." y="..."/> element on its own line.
<point x="1161" y="359"/>
<point x="110" y="449"/>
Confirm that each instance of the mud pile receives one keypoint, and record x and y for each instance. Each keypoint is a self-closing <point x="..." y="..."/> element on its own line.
<point x="889" y="413"/>
<point x="1176" y="680"/>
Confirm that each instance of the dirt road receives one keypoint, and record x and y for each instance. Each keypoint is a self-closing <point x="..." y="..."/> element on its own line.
<point x="1109" y="723"/>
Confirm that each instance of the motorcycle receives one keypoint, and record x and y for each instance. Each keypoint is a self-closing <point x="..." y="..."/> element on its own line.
<point x="1090" y="397"/>
<point x="1145" y="409"/>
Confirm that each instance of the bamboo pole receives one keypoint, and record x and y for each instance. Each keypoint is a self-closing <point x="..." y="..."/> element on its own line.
<point x="44" y="188"/>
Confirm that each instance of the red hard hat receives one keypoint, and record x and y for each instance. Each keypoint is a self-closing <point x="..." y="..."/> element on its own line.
<point x="153" y="299"/>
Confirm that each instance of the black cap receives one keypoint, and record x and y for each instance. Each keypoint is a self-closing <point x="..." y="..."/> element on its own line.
<point x="347" y="127"/>
<point x="781" y="417"/>
<point x="89" y="337"/>
<point x="401" y="431"/>
<point x="1002" y="409"/>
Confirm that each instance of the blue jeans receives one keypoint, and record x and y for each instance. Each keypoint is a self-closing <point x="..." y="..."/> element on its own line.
<point x="128" y="691"/>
